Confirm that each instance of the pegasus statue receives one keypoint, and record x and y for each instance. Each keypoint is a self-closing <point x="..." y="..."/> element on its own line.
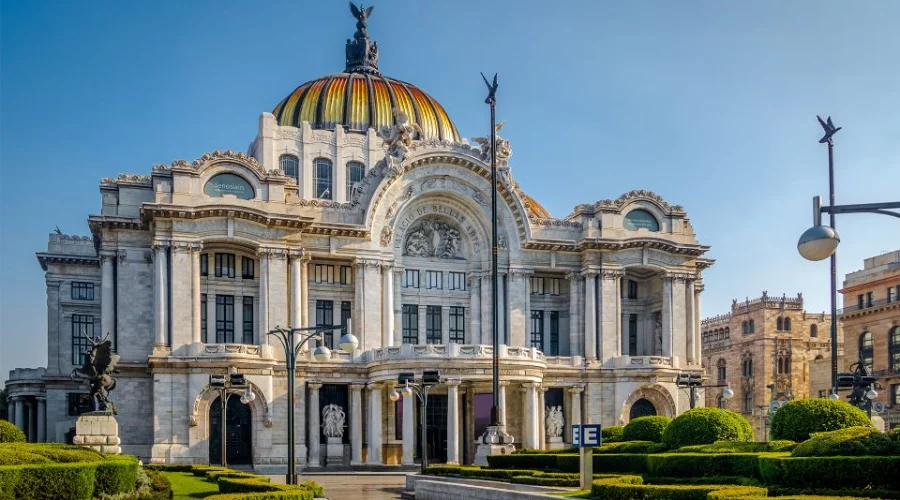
<point x="97" y="373"/>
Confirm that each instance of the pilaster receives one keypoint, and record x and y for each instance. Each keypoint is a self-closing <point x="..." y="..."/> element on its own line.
<point x="452" y="421"/>
<point x="315" y="426"/>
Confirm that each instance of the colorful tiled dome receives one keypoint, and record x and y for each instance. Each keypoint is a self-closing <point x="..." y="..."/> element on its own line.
<point x="360" y="100"/>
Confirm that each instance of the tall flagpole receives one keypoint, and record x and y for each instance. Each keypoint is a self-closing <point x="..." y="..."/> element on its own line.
<point x="495" y="322"/>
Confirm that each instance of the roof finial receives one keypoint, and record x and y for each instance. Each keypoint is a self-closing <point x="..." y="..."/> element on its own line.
<point x="362" y="53"/>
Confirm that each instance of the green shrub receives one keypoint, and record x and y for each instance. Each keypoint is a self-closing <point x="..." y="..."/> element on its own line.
<point x="249" y="485"/>
<point x="532" y="461"/>
<point x="314" y="487"/>
<point x="831" y="472"/>
<point x="9" y="433"/>
<point x="471" y="471"/>
<point x="852" y="441"/>
<point x="201" y="470"/>
<point x="606" y="463"/>
<point x="546" y="481"/>
<point x="735" y="480"/>
<point x="705" y="426"/>
<point x="50" y="481"/>
<point x="703" y="464"/>
<point x="116" y="475"/>
<point x="33" y="453"/>
<point x="631" y="447"/>
<point x="534" y="451"/>
<point x="739" y="447"/>
<point x="632" y="488"/>
<point x="797" y="420"/>
<point x="883" y="494"/>
<point x="159" y="485"/>
<point x="613" y="431"/>
<point x="648" y="428"/>
<point x="214" y="475"/>
<point x="170" y="467"/>
<point x="297" y="494"/>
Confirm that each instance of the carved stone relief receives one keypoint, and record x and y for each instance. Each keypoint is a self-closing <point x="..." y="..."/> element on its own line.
<point x="433" y="237"/>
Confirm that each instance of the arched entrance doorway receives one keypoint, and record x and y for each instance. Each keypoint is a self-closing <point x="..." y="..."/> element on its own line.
<point x="238" y="432"/>
<point x="641" y="408"/>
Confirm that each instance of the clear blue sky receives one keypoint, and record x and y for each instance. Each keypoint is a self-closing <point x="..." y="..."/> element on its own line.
<point x="710" y="104"/>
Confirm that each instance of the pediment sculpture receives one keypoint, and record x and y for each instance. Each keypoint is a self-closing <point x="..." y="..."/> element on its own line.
<point x="432" y="237"/>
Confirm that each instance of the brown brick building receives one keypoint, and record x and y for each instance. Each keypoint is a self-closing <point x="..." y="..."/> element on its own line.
<point x="871" y="318"/>
<point x="767" y="341"/>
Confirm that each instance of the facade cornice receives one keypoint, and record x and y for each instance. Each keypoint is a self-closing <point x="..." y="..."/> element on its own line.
<point x="159" y="211"/>
<point x="45" y="258"/>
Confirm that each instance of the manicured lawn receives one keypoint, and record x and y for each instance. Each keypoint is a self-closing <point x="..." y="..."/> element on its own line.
<point x="187" y="486"/>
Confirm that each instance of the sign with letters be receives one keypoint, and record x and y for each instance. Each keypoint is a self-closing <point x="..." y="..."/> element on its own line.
<point x="586" y="435"/>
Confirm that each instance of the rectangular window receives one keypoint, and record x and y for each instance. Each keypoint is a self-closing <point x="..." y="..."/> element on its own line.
<point x="537" y="285"/>
<point x="410" y="324"/>
<point x="457" y="281"/>
<point x="82" y="291"/>
<point x="79" y="403"/>
<point x="895" y="360"/>
<point x="433" y="325"/>
<point x="325" y="317"/>
<point x="355" y="173"/>
<point x="203" y="317"/>
<point x="869" y="299"/>
<point x="890" y="295"/>
<point x="224" y="318"/>
<point x="434" y="279"/>
<point x="346" y="275"/>
<point x="554" y="332"/>
<point x="411" y="278"/>
<point x="457" y="325"/>
<point x="345" y="315"/>
<point x="322" y="180"/>
<point x="895" y="394"/>
<point x="860" y="304"/>
<point x="632" y="334"/>
<point x="323" y="273"/>
<point x="204" y="264"/>
<point x="632" y="289"/>
<point x="248" y="320"/>
<point x="247" y="268"/>
<point x="537" y="329"/>
<point x="553" y="286"/>
<point x="224" y="265"/>
<point x="82" y="325"/>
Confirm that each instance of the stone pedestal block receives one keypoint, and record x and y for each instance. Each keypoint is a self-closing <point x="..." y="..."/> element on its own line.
<point x="334" y="451"/>
<point x="556" y="443"/>
<point x="98" y="431"/>
<point x="495" y="441"/>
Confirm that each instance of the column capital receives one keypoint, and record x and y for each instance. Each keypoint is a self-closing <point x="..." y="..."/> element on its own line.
<point x="589" y="274"/>
<point x="679" y="276"/>
<point x="296" y="254"/>
<point x="185" y="246"/>
<point x="314" y="385"/>
<point x="107" y="256"/>
<point x="357" y="386"/>
<point x="452" y="382"/>
<point x="611" y="273"/>
<point x="273" y="252"/>
<point x="520" y="273"/>
<point x="503" y="383"/>
<point x="573" y="275"/>
<point x="366" y="263"/>
<point x="374" y="386"/>
<point x="575" y="389"/>
<point x="531" y="385"/>
<point x="386" y="266"/>
<point x="160" y="245"/>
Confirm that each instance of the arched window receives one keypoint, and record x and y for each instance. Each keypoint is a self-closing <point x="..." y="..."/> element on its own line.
<point x="787" y="324"/>
<point x="322" y="176"/>
<point x="727" y="332"/>
<point x="747" y="368"/>
<point x="290" y="165"/>
<point x="752" y="326"/>
<point x="779" y="324"/>
<point x="721" y="368"/>
<point x="745" y="328"/>
<point x="748" y="402"/>
<point x="813" y="330"/>
<point x="866" y="349"/>
<point x="355" y="173"/>
<point x="640" y="219"/>
<point x="894" y="350"/>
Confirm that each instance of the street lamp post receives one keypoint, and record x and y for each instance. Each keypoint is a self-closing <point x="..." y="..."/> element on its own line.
<point x="820" y="242"/>
<point x="292" y="347"/>
<point x="862" y="384"/>
<point x="420" y="389"/>
<point x="693" y="381"/>
<point x="223" y="383"/>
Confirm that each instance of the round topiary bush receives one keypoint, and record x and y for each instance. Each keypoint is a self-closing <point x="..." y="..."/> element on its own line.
<point x="646" y="429"/>
<point x="612" y="434"/>
<point x="797" y="420"/>
<point x="9" y="433"/>
<point x="706" y="425"/>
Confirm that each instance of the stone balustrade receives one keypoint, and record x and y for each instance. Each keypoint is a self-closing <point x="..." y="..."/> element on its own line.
<point x="457" y="351"/>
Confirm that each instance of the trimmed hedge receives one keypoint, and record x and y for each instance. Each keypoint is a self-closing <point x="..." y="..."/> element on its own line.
<point x="36" y="453"/>
<point x="648" y="428"/>
<point x="118" y="474"/>
<point x="613" y="431"/>
<point x="47" y="481"/>
<point x="706" y="426"/>
<point x="739" y="447"/>
<point x="474" y="471"/>
<point x="271" y="495"/>
<point x="9" y="433"/>
<point x="159" y="485"/>
<point x="534" y="461"/>
<point x="831" y="472"/>
<point x="852" y="441"/>
<point x="213" y="475"/>
<point x="797" y="420"/>
<point x="883" y="494"/>
<point x="632" y="488"/>
<point x="170" y="467"/>
<point x="704" y="464"/>
<point x="606" y="463"/>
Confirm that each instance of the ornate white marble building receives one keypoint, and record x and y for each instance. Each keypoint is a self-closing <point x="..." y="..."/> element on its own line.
<point x="188" y="267"/>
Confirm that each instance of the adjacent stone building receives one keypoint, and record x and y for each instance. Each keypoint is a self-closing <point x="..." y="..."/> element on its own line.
<point x="871" y="319"/>
<point x="763" y="350"/>
<point x="358" y="199"/>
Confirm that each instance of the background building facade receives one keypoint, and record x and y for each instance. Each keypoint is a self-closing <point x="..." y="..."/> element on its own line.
<point x="763" y="349"/>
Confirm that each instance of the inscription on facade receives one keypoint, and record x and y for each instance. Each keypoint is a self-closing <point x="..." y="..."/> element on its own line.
<point x="423" y="233"/>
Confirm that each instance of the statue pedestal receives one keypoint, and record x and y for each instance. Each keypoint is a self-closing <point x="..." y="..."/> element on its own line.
<point x="495" y="441"/>
<point x="99" y="431"/>
<point x="334" y="451"/>
<point x="556" y="443"/>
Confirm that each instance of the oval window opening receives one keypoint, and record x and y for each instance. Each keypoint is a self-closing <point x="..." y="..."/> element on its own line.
<point x="229" y="184"/>
<point x="641" y="219"/>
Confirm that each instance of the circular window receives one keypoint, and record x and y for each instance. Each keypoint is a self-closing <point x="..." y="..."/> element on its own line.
<point x="641" y="219"/>
<point x="229" y="184"/>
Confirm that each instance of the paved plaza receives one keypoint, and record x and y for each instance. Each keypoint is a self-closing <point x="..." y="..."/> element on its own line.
<point x="357" y="486"/>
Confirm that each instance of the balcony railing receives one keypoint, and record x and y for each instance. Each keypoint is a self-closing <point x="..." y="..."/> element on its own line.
<point x="868" y="305"/>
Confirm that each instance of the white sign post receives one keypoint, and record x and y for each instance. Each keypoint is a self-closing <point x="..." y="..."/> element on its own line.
<point x="585" y="437"/>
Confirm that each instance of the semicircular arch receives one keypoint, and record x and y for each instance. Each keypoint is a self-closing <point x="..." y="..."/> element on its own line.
<point x="656" y="394"/>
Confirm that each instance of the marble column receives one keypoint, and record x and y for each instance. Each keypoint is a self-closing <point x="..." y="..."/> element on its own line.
<point x="610" y="345"/>
<point x="296" y="297"/>
<point x="195" y="298"/>
<point x="20" y="414"/>
<point x="41" y="419"/>
<point x="667" y="316"/>
<point x="542" y="418"/>
<point x="698" y="287"/>
<point x="525" y="390"/>
<point x="398" y="306"/>
<point x="575" y="409"/>
<point x="679" y="321"/>
<point x="32" y="421"/>
<point x="502" y="402"/>
<point x="487" y="332"/>
<point x="107" y="294"/>
<point x="575" y="348"/>
<point x="474" y="283"/>
<point x="453" y="421"/>
<point x="445" y="324"/>
<point x="590" y="316"/>
<point x="409" y="431"/>
<point x="387" y="302"/>
<point x="263" y="297"/>
<point x="304" y="291"/>
<point x="356" y="438"/>
<point x="526" y="281"/>
<point x="689" y="319"/>
<point x="375" y="425"/>
<point x="160" y="294"/>
<point x="315" y="427"/>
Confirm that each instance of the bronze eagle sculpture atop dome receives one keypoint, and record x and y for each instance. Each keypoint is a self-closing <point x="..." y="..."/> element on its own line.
<point x="99" y="365"/>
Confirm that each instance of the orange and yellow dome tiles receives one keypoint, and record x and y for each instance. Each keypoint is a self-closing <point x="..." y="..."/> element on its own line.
<point x="359" y="101"/>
